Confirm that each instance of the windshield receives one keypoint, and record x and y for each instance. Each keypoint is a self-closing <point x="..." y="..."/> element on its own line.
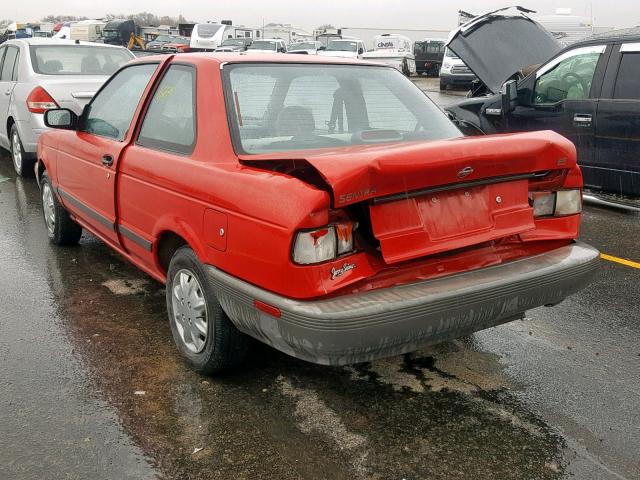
<point x="277" y="107"/>
<point x="109" y="33"/>
<point x="207" y="30"/>
<point x="262" y="45"/>
<point x="77" y="59"/>
<point x="449" y="54"/>
<point x="232" y="42"/>
<point x="342" y="46"/>
<point x="304" y="46"/>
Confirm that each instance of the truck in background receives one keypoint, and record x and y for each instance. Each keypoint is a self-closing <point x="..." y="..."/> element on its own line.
<point x="429" y="54"/>
<point x="87" y="30"/>
<point x="122" y="32"/>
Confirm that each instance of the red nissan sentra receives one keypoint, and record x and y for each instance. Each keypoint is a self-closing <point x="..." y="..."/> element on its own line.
<point x="325" y="207"/>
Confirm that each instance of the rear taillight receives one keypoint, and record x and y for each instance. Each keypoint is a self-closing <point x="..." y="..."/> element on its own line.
<point x="40" y="101"/>
<point x="556" y="204"/>
<point x="323" y="244"/>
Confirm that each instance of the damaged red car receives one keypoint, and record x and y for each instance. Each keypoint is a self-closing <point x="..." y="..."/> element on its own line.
<point x="323" y="206"/>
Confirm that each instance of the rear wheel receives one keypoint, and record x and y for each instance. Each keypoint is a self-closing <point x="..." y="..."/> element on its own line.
<point x="203" y="333"/>
<point x="443" y="86"/>
<point x="61" y="229"/>
<point x="22" y="161"/>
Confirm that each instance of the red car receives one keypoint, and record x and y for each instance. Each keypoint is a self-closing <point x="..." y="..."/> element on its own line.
<point x="323" y="206"/>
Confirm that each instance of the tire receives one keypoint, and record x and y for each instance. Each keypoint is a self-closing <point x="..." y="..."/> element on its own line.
<point x="443" y="86"/>
<point x="23" y="162"/>
<point x="203" y="333"/>
<point x="61" y="229"/>
<point x="405" y="69"/>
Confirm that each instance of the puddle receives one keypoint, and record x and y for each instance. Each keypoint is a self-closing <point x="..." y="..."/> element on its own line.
<point x="127" y="287"/>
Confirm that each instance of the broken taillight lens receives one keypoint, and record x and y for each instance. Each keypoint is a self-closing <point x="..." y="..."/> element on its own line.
<point x="40" y="101"/>
<point x="323" y="244"/>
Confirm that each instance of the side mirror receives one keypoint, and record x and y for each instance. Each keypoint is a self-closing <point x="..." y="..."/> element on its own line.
<point x="283" y="50"/>
<point x="61" y="118"/>
<point x="509" y="94"/>
<point x="360" y="51"/>
<point x="322" y="48"/>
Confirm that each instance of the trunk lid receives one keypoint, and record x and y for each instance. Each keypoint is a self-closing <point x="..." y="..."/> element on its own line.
<point x="499" y="44"/>
<point x="427" y="198"/>
<point x="72" y="92"/>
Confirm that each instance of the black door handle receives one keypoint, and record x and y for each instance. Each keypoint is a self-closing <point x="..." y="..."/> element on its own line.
<point x="107" y="160"/>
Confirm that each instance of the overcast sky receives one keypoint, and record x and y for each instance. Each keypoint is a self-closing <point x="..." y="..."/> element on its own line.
<point x="419" y="14"/>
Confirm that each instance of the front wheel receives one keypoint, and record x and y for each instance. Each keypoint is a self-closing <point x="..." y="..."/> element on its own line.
<point x="62" y="230"/>
<point x="203" y="333"/>
<point x="22" y="162"/>
<point x="443" y="86"/>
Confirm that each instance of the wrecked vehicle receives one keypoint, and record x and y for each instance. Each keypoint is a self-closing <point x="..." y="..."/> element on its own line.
<point x="220" y="176"/>
<point x="587" y="92"/>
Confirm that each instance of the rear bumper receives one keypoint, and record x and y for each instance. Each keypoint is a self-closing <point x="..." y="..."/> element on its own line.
<point x="362" y="327"/>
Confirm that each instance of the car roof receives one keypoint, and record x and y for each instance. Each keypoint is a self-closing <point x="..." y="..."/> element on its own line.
<point x="55" y="41"/>
<point x="612" y="36"/>
<point x="221" y="58"/>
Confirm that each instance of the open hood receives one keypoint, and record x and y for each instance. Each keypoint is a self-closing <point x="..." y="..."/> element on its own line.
<point x="499" y="44"/>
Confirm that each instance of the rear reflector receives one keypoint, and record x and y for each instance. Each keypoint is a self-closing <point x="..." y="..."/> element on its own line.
<point x="40" y="101"/>
<point x="268" y="309"/>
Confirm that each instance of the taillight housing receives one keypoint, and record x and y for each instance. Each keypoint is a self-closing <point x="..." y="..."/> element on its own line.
<point x="324" y="244"/>
<point x="39" y="101"/>
<point x="556" y="204"/>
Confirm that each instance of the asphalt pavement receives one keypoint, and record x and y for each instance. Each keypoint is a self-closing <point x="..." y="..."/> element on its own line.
<point x="91" y="385"/>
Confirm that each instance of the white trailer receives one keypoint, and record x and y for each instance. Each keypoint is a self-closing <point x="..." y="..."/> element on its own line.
<point x="368" y="34"/>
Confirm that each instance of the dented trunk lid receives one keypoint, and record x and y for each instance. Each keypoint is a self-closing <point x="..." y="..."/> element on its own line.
<point x="430" y="197"/>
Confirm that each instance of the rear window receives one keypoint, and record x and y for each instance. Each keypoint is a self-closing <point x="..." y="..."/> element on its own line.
<point x="628" y="81"/>
<point x="77" y="59"/>
<point x="276" y="107"/>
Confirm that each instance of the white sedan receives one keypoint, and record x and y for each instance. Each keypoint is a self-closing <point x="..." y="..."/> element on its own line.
<point x="41" y="73"/>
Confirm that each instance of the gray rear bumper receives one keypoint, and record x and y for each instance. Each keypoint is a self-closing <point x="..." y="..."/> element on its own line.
<point x="362" y="327"/>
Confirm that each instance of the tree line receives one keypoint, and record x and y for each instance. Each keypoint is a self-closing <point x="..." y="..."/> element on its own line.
<point x="143" y="18"/>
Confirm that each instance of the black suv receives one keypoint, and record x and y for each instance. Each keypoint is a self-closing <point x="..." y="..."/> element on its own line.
<point x="588" y="92"/>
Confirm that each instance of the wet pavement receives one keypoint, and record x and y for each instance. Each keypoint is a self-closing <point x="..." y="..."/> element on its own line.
<point x="92" y="387"/>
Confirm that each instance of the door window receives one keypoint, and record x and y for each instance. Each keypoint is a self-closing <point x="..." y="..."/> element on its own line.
<point x="567" y="77"/>
<point x="111" y="111"/>
<point x="628" y="81"/>
<point x="10" y="58"/>
<point x="170" y="121"/>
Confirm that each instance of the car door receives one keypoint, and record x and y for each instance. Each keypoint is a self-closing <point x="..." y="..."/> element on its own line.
<point x="616" y="168"/>
<point x="8" y="76"/>
<point x="88" y="160"/>
<point x="564" y="98"/>
<point x="156" y="163"/>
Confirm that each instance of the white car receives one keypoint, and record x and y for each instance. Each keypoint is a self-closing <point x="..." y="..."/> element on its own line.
<point x="41" y="73"/>
<point x="268" y="45"/>
<point x="344" y="48"/>
<point x="308" y="48"/>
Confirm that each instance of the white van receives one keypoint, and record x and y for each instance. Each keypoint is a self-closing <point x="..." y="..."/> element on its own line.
<point x="454" y="72"/>
<point x="395" y="50"/>
<point x="87" y="30"/>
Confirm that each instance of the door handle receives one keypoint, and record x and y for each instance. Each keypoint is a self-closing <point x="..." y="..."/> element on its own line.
<point x="582" y="119"/>
<point x="107" y="160"/>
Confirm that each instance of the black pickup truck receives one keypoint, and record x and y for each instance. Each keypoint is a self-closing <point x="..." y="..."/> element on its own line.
<point x="589" y="92"/>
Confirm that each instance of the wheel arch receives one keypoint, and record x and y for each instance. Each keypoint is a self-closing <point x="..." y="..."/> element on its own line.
<point x="169" y="240"/>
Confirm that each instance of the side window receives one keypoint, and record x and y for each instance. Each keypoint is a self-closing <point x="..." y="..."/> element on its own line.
<point x="2" y="52"/>
<point x="170" y="121"/>
<point x="10" y="58"/>
<point x="111" y="110"/>
<point x="628" y="81"/>
<point x="568" y="77"/>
